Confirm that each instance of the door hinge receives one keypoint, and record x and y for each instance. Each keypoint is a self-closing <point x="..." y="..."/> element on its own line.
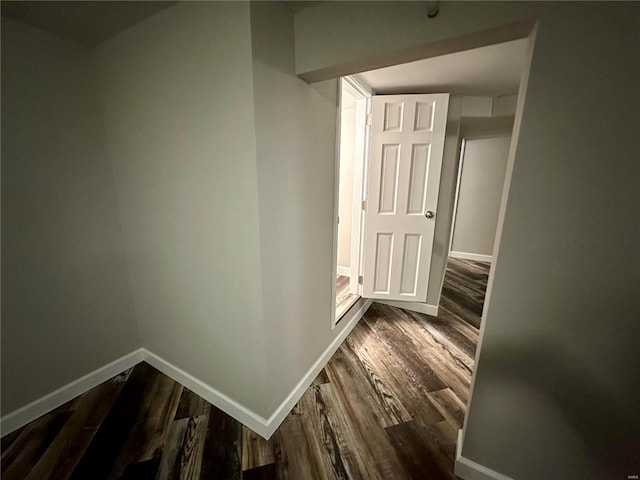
<point x="338" y="220"/>
<point x="368" y="120"/>
<point x="364" y="205"/>
<point x="360" y="279"/>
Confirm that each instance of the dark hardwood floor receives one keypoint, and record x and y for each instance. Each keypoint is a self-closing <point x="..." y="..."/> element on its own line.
<point x="388" y="405"/>
<point x="465" y="285"/>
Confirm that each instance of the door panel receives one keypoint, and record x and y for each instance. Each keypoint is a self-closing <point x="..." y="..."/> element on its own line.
<point x="407" y="142"/>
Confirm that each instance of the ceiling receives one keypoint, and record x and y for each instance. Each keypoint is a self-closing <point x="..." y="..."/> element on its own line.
<point x="92" y="22"/>
<point x="86" y="22"/>
<point x="492" y="70"/>
<point x="295" y="5"/>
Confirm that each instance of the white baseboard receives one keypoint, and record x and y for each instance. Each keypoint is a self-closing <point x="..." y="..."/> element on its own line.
<point x="344" y="271"/>
<point x="263" y="427"/>
<point x="425" y="308"/>
<point x="471" y="256"/>
<point x="238" y="411"/>
<point x="350" y="320"/>
<point x="53" y="400"/>
<point x="470" y="470"/>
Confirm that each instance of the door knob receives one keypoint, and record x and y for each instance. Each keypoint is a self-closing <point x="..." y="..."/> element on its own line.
<point x="429" y="214"/>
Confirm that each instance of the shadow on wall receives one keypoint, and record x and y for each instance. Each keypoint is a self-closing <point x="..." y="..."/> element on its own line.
<point x="585" y="399"/>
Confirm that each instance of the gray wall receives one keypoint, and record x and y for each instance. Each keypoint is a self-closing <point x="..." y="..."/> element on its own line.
<point x="481" y="181"/>
<point x="66" y="304"/>
<point x="178" y="106"/>
<point x="177" y="101"/>
<point x="446" y="200"/>
<point x="557" y="377"/>
<point x="296" y="147"/>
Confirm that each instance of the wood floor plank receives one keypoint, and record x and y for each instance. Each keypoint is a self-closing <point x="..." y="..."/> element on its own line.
<point x="321" y="378"/>
<point x="98" y="459"/>
<point x="189" y="462"/>
<point x="420" y="458"/>
<point x="414" y="452"/>
<point x="439" y="337"/>
<point x="445" y="359"/>
<point x="256" y="451"/>
<point x="419" y="349"/>
<point x="191" y="405"/>
<point x="457" y="331"/>
<point x="366" y="416"/>
<point x="222" y="449"/>
<point x="24" y="452"/>
<point x="146" y="470"/>
<point x="444" y="435"/>
<point x="451" y="305"/>
<point x="291" y="450"/>
<point x="169" y="467"/>
<point x="382" y="380"/>
<point x="347" y="438"/>
<point x="64" y="453"/>
<point x="264" y="472"/>
<point x="449" y="405"/>
<point x="8" y="439"/>
<point x="354" y="381"/>
<point x="321" y="438"/>
<point x="382" y="321"/>
<point x="409" y="391"/>
<point x="464" y="288"/>
<point x="152" y="426"/>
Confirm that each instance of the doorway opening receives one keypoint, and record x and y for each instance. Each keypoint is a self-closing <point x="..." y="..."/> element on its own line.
<point x="439" y="106"/>
<point x="486" y="87"/>
<point x="353" y="110"/>
<point x="482" y="170"/>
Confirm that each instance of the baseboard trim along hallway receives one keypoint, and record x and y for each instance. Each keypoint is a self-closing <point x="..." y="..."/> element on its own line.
<point x="477" y="257"/>
<point x="228" y="405"/>
<point x="470" y="470"/>
<point x="350" y="320"/>
<point x="425" y="308"/>
<point x="261" y="426"/>
<point x="62" y="395"/>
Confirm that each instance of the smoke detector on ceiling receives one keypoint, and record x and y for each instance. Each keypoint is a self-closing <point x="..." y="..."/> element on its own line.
<point x="432" y="9"/>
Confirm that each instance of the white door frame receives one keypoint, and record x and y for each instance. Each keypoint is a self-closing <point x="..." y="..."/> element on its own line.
<point x="361" y="151"/>
<point x="361" y="162"/>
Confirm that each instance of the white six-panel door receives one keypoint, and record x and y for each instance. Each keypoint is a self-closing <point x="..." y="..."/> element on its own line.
<point x="407" y="143"/>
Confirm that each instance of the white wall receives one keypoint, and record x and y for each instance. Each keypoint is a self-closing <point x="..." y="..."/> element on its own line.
<point x="296" y="146"/>
<point x="178" y="106"/>
<point x="477" y="106"/>
<point x="556" y="383"/>
<point x="446" y="201"/>
<point x="562" y="316"/>
<point x="345" y="188"/>
<point x="481" y="182"/>
<point x="66" y="304"/>
<point x="177" y="99"/>
<point x="504" y="105"/>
